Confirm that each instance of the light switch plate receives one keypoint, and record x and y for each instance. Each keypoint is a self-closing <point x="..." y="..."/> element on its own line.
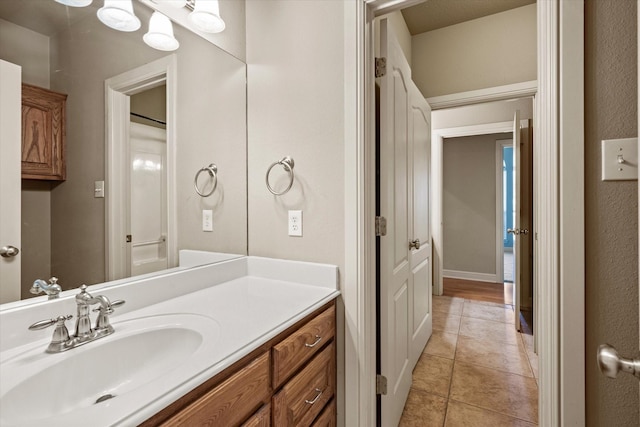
<point x="98" y="189"/>
<point x="295" y="223"/>
<point x="620" y="159"/>
<point x="207" y="220"/>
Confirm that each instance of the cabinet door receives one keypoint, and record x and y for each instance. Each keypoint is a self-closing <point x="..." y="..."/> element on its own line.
<point x="262" y="418"/>
<point x="232" y="401"/>
<point x="303" y="398"/>
<point x="328" y="417"/>
<point x="299" y="347"/>
<point x="43" y="134"/>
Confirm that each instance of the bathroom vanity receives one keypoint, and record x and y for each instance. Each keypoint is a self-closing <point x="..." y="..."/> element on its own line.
<point x="249" y="341"/>
<point x="263" y="386"/>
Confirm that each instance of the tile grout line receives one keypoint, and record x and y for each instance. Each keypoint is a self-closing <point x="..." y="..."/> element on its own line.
<point x="495" y="412"/>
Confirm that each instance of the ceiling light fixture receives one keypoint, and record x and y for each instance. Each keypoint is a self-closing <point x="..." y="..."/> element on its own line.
<point x="160" y="34"/>
<point x="118" y="14"/>
<point x="75" y="3"/>
<point x="206" y="16"/>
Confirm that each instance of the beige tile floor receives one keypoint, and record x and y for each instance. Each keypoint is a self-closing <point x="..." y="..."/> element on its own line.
<point x="475" y="371"/>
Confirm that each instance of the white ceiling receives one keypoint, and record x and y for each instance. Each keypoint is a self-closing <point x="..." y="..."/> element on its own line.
<point x="434" y="14"/>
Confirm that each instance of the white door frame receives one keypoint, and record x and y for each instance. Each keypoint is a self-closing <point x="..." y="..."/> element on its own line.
<point x="559" y="126"/>
<point x="117" y="92"/>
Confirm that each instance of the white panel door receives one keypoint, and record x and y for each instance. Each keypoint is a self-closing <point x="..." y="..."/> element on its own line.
<point x="148" y="220"/>
<point x="395" y="265"/>
<point x="517" y="222"/>
<point x="10" y="180"/>
<point x="419" y="233"/>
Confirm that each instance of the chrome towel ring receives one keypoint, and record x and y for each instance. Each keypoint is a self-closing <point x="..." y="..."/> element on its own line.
<point x="213" y="173"/>
<point x="287" y="163"/>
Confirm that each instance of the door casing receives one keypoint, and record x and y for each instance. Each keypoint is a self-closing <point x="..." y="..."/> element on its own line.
<point x="117" y="92"/>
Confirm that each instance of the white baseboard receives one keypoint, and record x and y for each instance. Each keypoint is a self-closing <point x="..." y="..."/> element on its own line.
<point x="469" y="275"/>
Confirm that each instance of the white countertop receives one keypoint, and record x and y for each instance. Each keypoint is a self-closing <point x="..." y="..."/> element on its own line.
<point x="262" y="298"/>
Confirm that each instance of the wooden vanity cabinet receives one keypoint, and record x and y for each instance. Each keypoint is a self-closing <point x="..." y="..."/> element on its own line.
<point x="43" y="134"/>
<point x="288" y="381"/>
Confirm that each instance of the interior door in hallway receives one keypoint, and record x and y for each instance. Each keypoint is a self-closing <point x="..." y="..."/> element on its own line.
<point x="10" y="175"/>
<point x="517" y="231"/>
<point x="420" y="292"/>
<point x="404" y="294"/>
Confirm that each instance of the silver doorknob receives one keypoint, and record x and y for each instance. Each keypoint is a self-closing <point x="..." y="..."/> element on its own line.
<point x="9" y="251"/>
<point x="517" y="231"/>
<point x="611" y="363"/>
<point x="414" y="244"/>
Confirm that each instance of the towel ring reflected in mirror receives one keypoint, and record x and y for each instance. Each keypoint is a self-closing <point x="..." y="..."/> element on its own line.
<point x="287" y="163"/>
<point x="213" y="173"/>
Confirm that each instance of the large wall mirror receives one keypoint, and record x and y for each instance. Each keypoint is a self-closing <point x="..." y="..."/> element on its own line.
<point x="177" y="121"/>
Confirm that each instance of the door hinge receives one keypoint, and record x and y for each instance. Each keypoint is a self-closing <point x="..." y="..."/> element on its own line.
<point x="381" y="226"/>
<point x="381" y="384"/>
<point x="381" y="67"/>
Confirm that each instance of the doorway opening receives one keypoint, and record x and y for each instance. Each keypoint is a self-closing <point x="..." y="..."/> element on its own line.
<point x="140" y="170"/>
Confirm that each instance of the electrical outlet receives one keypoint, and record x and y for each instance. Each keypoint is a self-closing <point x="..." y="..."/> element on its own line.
<point x="295" y="223"/>
<point x="207" y="220"/>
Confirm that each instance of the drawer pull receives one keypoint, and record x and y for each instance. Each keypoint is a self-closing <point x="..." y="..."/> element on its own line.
<point x="318" y="339"/>
<point x="315" y="399"/>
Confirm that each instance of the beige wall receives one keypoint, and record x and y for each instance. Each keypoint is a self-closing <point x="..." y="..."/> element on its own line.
<point x="151" y="103"/>
<point x="28" y="49"/>
<point x="492" y="51"/>
<point x="469" y="203"/>
<point x="298" y="93"/>
<point x="611" y="209"/>
<point x="291" y="114"/>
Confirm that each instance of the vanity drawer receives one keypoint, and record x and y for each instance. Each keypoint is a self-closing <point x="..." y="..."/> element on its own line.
<point x="328" y="417"/>
<point x="291" y="353"/>
<point x="302" y="398"/>
<point x="262" y="418"/>
<point x="232" y="401"/>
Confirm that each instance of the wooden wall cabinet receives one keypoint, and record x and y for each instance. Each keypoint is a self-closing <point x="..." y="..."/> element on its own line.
<point x="288" y="381"/>
<point x="43" y="134"/>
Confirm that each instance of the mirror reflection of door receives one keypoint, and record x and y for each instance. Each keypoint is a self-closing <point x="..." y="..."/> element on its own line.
<point x="147" y="223"/>
<point x="148" y="219"/>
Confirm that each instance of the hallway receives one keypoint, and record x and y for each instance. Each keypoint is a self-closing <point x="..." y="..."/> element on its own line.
<point x="476" y="369"/>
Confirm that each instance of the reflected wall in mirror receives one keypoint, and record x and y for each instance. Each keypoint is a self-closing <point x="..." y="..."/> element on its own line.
<point x="68" y="50"/>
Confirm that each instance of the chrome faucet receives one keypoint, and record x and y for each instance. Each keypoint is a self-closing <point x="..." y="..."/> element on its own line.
<point x="52" y="288"/>
<point x="84" y="333"/>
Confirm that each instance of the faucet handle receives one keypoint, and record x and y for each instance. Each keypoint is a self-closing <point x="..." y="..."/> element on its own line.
<point x="60" y="340"/>
<point x="109" y="309"/>
<point x="102" y="322"/>
<point x="59" y="321"/>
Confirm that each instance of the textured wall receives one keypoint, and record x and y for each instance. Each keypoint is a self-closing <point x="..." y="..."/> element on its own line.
<point x="611" y="208"/>
<point x="492" y="51"/>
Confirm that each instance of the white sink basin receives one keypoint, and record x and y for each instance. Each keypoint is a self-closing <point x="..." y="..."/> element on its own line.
<point x="65" y="388"/>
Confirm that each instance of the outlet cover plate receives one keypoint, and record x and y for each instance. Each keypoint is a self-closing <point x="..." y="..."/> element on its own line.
<point x="295" y="223"/>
